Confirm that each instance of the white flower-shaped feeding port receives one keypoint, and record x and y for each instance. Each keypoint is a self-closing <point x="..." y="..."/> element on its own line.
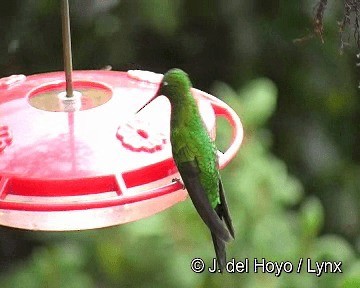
<point x="5" y="137"/>
<point x="12" y="80"/>
<point x="138" y="136"/>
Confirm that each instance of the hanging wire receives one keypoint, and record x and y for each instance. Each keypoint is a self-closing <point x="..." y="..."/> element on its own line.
<point x="66" y="36"/>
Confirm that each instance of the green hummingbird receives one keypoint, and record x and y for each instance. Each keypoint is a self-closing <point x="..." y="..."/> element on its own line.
<point x="195" y="156"/>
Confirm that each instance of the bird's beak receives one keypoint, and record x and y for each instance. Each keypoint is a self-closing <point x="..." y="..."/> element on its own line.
<point x="158" y="93"/>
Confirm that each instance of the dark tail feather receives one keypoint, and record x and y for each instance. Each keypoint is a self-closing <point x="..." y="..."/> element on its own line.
<point x="224" y="210"/>
<point x="219" y="246"/>
<point x="190" y="175"/>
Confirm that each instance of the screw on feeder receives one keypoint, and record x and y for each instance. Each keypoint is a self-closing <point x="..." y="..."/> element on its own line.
<point x="66" y="37"/>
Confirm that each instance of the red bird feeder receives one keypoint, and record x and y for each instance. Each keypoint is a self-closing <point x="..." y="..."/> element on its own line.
<point x="90" y="161"/>
<point x="74" y="155"/>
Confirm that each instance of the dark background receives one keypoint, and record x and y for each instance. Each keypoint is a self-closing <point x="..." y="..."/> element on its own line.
<point x="299" y="166"/>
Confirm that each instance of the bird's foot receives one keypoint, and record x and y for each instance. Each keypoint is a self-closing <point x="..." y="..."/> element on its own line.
<point x="179" y="181"/>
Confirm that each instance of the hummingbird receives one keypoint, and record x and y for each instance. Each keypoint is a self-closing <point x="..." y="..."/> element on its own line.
<point x="195" y="156"/>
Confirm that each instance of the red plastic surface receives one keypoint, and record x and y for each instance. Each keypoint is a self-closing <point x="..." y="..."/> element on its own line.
<point x="76" y="161"/>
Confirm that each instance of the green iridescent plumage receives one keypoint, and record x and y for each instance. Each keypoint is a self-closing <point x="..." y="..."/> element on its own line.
<point x="195" y="155"/>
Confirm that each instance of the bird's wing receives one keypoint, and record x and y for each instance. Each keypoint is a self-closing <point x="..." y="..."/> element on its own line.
<point x="223" y="210"/>
<point x="190" y="172"/>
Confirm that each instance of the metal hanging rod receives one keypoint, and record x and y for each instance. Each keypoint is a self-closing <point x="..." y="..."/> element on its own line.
<point x="66" y="37"/>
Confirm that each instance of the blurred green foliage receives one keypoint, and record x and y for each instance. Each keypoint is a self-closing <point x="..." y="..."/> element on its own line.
<point x="294" y="187"/>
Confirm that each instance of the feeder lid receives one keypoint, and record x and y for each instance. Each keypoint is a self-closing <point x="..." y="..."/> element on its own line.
<point x="89" y="161"/>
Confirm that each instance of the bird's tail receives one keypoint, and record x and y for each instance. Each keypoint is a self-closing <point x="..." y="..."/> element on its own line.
<point x="219" y="246"/>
